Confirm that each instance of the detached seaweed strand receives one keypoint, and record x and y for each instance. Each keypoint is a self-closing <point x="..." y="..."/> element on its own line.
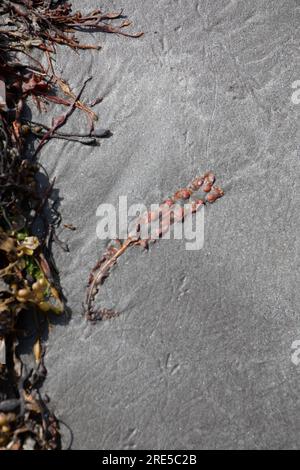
<point x="168" y="214"/>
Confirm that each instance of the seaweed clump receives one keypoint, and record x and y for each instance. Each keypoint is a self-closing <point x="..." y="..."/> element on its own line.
<point x="30" y="32"/>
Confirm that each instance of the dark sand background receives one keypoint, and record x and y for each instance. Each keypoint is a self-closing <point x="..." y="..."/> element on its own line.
<point x="201" y="355"/>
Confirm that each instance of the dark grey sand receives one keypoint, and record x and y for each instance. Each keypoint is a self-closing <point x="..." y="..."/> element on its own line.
<point x="201" y="356"/>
